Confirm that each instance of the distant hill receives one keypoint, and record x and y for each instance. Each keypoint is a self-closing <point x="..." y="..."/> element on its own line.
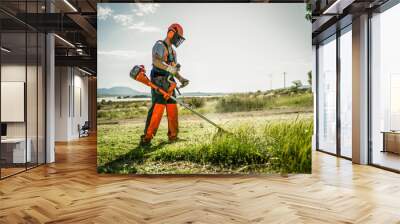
<point x="119" y="91"/>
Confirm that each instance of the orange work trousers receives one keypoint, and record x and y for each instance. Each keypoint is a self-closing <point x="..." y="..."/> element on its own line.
<point x="154" y="118"/>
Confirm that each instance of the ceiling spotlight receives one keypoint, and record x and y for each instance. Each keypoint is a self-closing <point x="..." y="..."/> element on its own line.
<point x="79" y="51"/>
<point x="84" y="71"/>
<point x="70" y="5"/>
<point x="64" y="40"/>
<point x="337" y="7"/>
<point x="5" y="50"/>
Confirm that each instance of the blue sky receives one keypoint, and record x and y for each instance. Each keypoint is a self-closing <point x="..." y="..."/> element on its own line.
<point x="228" y="47"/>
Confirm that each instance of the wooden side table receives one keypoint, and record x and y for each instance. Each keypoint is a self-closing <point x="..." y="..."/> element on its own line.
<point x="391" y="141"/>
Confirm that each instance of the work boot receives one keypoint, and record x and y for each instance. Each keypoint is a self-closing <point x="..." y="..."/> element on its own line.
<point x="174" y="139"/>
<point x="144" y="142"/>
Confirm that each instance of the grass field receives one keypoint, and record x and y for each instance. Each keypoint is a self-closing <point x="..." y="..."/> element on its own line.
<point x="258" y="144"/>
<point x="272" y="137"/>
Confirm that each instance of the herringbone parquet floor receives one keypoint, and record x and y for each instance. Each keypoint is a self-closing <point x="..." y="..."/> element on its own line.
<point x="70" y="191"/>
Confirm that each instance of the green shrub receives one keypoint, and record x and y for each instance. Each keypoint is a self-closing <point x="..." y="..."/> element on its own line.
<point x="243" y="103"/>
<point x="285" y="98"/>
<point x="195" y="102"/>
<point x="298" y="100"/>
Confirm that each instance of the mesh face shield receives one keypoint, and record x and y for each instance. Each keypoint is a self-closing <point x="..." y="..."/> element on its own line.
<point x="177" y="39"/>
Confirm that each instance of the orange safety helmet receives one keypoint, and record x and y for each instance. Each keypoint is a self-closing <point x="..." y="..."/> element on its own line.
<point x="178" y="38"/>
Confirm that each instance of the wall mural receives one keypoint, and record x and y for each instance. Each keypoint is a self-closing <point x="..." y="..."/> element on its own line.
<point x="204" y="88"/>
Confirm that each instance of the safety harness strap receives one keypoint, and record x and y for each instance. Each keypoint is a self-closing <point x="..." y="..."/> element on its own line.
<point x="170" y="56"/>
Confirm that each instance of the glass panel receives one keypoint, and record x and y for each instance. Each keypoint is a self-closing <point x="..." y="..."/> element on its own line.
<point x="13" y="86"/>
<point x="31" y="98"/>
<point x="32" y="88"/>
<point x="41" y="99"/>
<point x="346" y="94"/>
<point x="327" y="96"/>
<point x="23" y="89"/>
<point x="386" y="89"/>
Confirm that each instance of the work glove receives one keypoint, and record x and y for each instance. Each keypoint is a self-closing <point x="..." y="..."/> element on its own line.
<point x="184" y="82"/>
<point x="172" y="69"/>
<point x="170" y="91"/>
<point x="166" y="96"/>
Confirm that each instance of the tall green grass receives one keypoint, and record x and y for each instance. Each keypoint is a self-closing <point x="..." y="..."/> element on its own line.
<point x="290" y="142"/>
<point x="283" y="146"/>
<point x="227" y="150"/>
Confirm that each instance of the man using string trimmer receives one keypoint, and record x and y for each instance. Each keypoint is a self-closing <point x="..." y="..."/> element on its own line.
<point x="138" y="73"/>
<point x="165" y="70"/>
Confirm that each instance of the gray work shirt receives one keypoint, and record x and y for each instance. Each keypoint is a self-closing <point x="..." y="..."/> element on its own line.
<point x="159" y="51"/>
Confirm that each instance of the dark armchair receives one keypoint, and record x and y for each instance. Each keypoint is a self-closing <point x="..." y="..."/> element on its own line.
<point x="84" y="130"/>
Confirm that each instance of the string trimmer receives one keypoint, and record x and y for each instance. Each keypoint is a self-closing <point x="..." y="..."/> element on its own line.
<point x="138" y="73"/>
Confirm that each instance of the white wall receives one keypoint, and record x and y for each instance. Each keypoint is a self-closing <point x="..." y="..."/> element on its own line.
<point x="12" y="73"/>
<point x="13" y="101"/>
<point x="62" y="82"/>
<point x="71" y="87"/>
<point x="80" y="110"/>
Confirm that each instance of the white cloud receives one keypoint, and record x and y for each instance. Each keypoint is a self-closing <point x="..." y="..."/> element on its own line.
<point x="104" y="12"/>
<point x="124" y="20"/>
<point x="145" y="8"/>
<point x="126" y="54"/>
<point x="143" y="28"/>
<point x="129" y="22"/>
